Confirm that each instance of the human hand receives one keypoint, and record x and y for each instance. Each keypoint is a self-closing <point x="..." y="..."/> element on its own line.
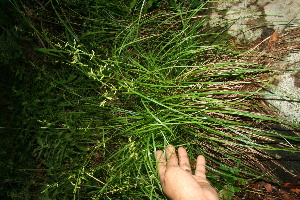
<point x="177" y="179"/>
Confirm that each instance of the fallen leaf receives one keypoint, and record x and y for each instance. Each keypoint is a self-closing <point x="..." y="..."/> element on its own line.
<point x="273" y="39"/>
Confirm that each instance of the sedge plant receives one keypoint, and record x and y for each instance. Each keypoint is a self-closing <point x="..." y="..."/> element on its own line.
<point x="141" y="83"/>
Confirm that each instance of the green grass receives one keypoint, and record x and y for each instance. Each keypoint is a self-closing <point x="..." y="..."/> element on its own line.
<point x="112" y="89"/>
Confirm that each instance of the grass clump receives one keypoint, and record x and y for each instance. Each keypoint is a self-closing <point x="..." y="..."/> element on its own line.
<point x="115" y="88"/>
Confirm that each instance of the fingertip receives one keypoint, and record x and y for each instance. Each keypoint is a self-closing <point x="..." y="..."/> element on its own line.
<point x="159" y="154"/>
<point x="181" y="149"/>
<point x="182" y="152"/>
<point x="201" y="160"/>
<point x="170" y="149"/>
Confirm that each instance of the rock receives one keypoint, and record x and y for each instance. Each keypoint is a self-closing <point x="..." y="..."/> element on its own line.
<point x="249" y="18"/>
<point x="286" y="87"/>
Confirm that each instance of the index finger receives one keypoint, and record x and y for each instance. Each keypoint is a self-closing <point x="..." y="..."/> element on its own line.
<point x="184" y="159"/>
<point x="172" y="160"/>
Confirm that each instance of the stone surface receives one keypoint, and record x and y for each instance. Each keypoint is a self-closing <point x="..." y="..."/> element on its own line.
<point x="250" y="18"/>
<point x="287" y="88"/>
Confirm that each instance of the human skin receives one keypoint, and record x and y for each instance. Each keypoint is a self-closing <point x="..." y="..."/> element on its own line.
<point x="176" y="176"/>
